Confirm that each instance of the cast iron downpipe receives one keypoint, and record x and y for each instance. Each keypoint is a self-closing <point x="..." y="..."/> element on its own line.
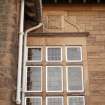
<point x="23" y="41"/>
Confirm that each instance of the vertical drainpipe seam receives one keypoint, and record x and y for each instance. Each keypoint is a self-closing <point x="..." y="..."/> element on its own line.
<point x="25" y="51"/>
<point x="21" y="33"/>
<point x="23" y="37"/>
<point x="25" y="59"/>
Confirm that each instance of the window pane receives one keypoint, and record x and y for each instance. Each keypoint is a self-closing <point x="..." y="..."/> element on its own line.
<point x="54" y="79"/>
<point x="76" y="100"/>
<point x="33" y="101"/>
<point x="54" y="54"/>
<point x="34" y="54"/>
<point x="54" y="101"/>
<point x="74" y="54"/>
<point x="34" y="79"/>
<point x="75" y="82"/>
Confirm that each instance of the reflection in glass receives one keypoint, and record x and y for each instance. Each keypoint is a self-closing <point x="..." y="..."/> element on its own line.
<point x="74" y="54"/>
<point x="54" y="79"/>
<point x="34" y="54"/>
<point x="34" y="79"/>
<point x="54" y="54"/>
<point x="75" y="79"/>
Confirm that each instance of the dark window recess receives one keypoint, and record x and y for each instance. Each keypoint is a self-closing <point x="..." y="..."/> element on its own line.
<point x="76" y="1"/>
<point x="72" y="1"/>
<point x="102" y="1"/>
<point x="92" y="1"/>
<point x="63" y="1"/>
<point x="48" y="1"/>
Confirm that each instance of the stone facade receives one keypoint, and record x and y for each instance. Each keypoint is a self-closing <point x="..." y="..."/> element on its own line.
<point x="8" y="50"/>
<point x="87" y="18"/>
<point x="73" y="18"/>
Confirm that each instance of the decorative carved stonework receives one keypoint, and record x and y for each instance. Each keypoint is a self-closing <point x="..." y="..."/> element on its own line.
<point x="61" y="22"/>
<point x="55" y="22"/>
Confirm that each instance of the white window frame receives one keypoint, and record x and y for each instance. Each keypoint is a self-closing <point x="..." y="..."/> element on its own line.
<point x="82" y="79"/>
<point x="68" y="97"/>
<point x="33" y="48"/>
<point x="80" y="47"/>
<point x="47" y="54"/>
<point x="61" y="78"/>
<point x="26" y="80"/>
<point x="54" y="97"/>
<point x="33" y="97"/>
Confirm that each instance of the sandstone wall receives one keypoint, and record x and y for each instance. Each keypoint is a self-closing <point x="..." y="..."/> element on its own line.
<point x="8" y="50"/>
<point x="86" y="18"/>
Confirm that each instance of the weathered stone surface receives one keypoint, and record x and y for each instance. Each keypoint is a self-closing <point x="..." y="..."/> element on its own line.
<point x="8" y="50"/>
<point x="86" y="19"/>
<point x="57" y="19"/>
<point x="97" y="80"/>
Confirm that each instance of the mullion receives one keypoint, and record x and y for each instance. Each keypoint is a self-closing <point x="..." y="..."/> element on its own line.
<point x="43" y="88"/>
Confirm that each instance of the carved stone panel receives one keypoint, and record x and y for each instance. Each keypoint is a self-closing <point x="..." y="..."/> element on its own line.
<point x="55" y="22"/>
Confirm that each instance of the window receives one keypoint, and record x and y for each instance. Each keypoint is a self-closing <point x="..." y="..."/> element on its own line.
<point x="54" y="100"/>
<point x="58" y="77"/>
<point x="74" y="54"/>
<point x="34" y="54"/>
<point x="33" y="101"/>
<point x="54" y="79"/>
<point x="34" y="76"/>
<point x="76" y="100"/>
<point x="75" y="79"/>
<point x="53" y="54"/>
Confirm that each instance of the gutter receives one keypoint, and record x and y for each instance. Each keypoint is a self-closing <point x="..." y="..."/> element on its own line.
<point x="21" y="55"/>
<point x="19" y="71"/>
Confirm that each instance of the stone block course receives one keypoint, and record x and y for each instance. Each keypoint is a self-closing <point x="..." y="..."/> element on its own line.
<point x="73" y="19"/>
<point x="93" y="20"/>
<point x="8" y="50"/>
